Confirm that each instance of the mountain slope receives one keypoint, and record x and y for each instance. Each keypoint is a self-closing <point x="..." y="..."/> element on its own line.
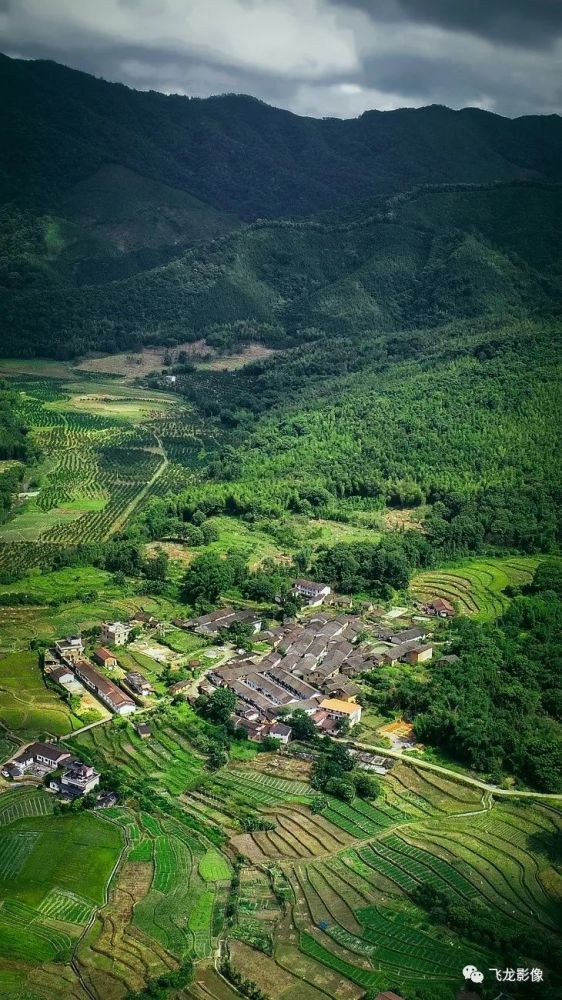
<point x="421" y="261"/>
<point x="242" y="156"/>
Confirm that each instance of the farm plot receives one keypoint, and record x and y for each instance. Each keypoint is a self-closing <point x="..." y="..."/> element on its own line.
<point x="99" y="457"/>
<point x="27" y="706"/>
<point x="255" y="788"/>
<point x="178" y="909"/>
<point x="14" y="851"/>
<point x="165" y="758"/>
<point x="22" y="803"/>
<point x="115" y="956"/>
<point x="53" y="873"/>
<point x="476" y="586"/>
<point x="65" y="906"/>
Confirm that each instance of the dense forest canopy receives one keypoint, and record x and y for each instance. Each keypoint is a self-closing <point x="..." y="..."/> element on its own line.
<point x="498" y="706"/>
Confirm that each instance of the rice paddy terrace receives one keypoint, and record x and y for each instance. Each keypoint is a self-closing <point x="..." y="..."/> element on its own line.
<point x="314" y="903"/>
<point x="476" y="586"/>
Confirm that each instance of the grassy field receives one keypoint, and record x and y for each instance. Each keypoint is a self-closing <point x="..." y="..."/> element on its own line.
<point x="476" y="586"/>
<point x="27" y="707"/>
<point x="53" y="875"/>
<point x="69" y="600"/>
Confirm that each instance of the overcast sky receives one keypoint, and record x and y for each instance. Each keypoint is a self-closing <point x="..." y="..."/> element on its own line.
<point x="315" y="57"/>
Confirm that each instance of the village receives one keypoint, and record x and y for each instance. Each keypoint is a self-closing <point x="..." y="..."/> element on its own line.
<point x="311" y="663"/>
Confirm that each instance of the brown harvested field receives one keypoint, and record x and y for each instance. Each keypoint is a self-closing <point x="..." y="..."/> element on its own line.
<point x="276" y="980"/>
<point x="282" y="767"/>
<point x="260" y="968"/>
<point x="244" y="844"/>
<point x="405" y="520"/>
<point x="175" y="551"/>
<point x="208" y="985"/>
<point x="230" y="362"/>
<point x="298" y="834"/>
<point x="338" y="897"/>
<point x="139" y="363"/>
<point x="52" y="979"/>
<point x="116" y="957"/>
<point x="311" y="973"/>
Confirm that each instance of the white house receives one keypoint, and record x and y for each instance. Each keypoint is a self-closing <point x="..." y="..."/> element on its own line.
<point x="77" y="779"/>
<point x="315" y="593"/>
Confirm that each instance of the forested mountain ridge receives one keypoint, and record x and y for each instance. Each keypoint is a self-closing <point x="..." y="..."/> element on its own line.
<point x="422" y="260"/>
<point x="243" y="156"/>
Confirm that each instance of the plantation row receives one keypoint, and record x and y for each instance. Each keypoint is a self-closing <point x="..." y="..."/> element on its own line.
<point x="18" y="804"/>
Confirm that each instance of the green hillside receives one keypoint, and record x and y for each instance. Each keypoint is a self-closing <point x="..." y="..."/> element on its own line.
<point x="438" y="256"/>
<point x="240" y="155"/>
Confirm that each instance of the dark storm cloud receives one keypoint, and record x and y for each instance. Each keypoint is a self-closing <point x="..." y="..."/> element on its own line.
<point x="523" y="22"/>
<point x="319" y="57"/>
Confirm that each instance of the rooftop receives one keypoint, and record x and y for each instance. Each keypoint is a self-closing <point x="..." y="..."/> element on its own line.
<point x="336" y="705"/>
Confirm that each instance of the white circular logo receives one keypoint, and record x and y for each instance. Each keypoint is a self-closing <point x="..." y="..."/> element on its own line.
<point x="469" y="971"/>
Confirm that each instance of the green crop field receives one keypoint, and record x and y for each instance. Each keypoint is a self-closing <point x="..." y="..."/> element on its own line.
<point x="27" y="707"/>
<point x="102" y="454"/>
<point x="476" y="586"/>
<point x="165" y="760"/>
<point x="54" y="872"/>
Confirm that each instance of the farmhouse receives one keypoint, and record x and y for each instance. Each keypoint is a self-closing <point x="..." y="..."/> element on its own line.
<point x="439" y="607"/>
<point x="211" y="624"/>
<point x="106" y="690"/>
<point x="277" y="731"/>
<point x="419" y="654"/>
<point x="315" y="593"/>
<point x="337" y="709"/>
<point x="43" y="756"/>
<point x="138" y="683"/>
<point x="179" y="686"/>
<point x="77" y="779"/>
<point x="407" y="635"/>
<point x="105" y="658"/>
<point x="62" y="675"/>
<point x="106" y="799"/>
<point x="115" y="633"/>
<point x="143" y="619"/>
<point x="71" y="648"/>
<point x="144" y="730"/>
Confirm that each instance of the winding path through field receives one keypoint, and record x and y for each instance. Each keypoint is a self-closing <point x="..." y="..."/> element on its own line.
<point x="132" y="506"/>
<point x="454" y="775"/>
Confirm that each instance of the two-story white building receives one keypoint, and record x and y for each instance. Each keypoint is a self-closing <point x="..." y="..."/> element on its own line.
<point x="315" y="593"/>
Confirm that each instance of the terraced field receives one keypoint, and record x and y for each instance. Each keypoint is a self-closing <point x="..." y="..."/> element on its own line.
<point x="53" y="875"/>
<point x="351" y="872"/>
<point x="166" y="759"/>
<point x="104" y="451"/>
<point x="27" y="706"/>
<point x="476" y="587"/>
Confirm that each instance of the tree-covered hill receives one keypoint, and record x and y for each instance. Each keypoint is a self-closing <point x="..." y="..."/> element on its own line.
<point x="238" y="154"/>
<point x="424" y="260"/>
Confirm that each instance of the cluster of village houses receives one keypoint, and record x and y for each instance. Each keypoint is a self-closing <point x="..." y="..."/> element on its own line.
<point x="310" y="666"/>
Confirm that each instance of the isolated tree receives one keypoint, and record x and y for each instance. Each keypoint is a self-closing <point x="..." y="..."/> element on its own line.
<point x="220" y="705"/>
